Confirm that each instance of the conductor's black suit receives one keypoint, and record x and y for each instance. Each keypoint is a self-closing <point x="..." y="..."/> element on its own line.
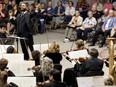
<point x="24" y="29"/>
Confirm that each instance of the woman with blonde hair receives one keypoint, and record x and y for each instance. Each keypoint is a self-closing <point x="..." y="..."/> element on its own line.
<point x="53" y="53"/>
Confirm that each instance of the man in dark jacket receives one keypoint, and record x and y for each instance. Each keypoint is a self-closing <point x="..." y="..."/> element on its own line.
<point x="55" y="80"/>
<point x="93" y="66"/>
<point x="24" y="29"/>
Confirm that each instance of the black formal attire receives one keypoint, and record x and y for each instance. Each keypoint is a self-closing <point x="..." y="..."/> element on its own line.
<point x="92" y="67"/>
<point x="55" y="84"/>
<point x="56" y="57"/>
<point x="24" y="29"/>
<point x="40" y="77"/>
<point x="97" y="15"/>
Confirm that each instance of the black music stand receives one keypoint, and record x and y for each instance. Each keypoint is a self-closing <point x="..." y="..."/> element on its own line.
<point x="17" y="39"/>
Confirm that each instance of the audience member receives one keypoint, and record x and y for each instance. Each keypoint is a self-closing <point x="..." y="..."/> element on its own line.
<point x="98" y="5"/>
<point x="49" y="12"/>
<point x="3" y="67"/>
<point x="83" y="7"/>
<point x="7" y="6"/>
<point x="109" y="81"/>
<point x="114" y="5"/>
<point x="108" y="5"/>
<point x="113" y="31"/>
<point x="11" y="24"/>
<point x="41" y="17"/>
<point x="107" y="26"/>
<point x="101" y="20"/>
<point x="54" y="79"/>
<point x="59" y="12"/>
<point x="53" y="53"/>
<point x="36" y="57"/>
<point x="93" y="66"/>
<point x="96" y="14"/>
<point x="69" y="12"/>
<point x="73" y="24"/>
<point x="87" y="26"/>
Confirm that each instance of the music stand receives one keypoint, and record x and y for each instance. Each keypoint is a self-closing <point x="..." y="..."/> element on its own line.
<point x="17" y="39"/>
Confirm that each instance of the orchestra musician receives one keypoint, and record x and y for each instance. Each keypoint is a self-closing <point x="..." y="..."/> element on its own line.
<point x="53" y="53"/>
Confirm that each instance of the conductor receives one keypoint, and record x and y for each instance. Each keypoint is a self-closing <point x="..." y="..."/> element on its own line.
<point x="24" y="29"/>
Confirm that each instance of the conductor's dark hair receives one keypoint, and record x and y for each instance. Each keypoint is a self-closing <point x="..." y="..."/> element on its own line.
<point x="56" y="74"/>
<point x="93" y="52"/>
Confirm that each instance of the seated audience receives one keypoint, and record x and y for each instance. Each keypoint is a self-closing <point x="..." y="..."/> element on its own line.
<point x="113" y="32"/>
<point x="3" y="80"/>
<point x="73" y="24"/>
<point x="101" y="20"/>
<point x="54" y="79"/>
<point x="98" y="5"/>
<point x="109" y="81"/>
<point x="58" y="13"/>
<point x="53" y="53"/>
<point x="11" y="22"/>
<point x="11" y="50"/>
<point x="3" y="66"/>
<point x="83" y="7"/>
<point x="96" y="14"/>
<point x="36" y="57"/>
<point x="69" y="12"/>
<point x="107" y="26"/>
<point x="108" y="5"/>
<point x="41" y="17"/>
<point x="46" y="65"/>
<point x="92" y="66"/>
<point x="87" y="26"/>
<point x="49" y="12"/>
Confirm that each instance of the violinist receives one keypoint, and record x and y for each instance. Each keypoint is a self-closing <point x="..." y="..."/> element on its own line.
<point x="94" y="65"/>
<point x="53" y="53"/>
<point x="3" y="67"/>
<point x="42" y="74"/>
<point x="36" y="57"/>
<point x="10" y="50"/>
<point x="79" y="46"/>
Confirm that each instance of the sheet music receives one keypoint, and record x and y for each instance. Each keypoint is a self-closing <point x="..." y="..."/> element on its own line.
<point x="25" y="65"/>
<point x="14" y="57"/>
<point x="98" y="79"/>
<point x="23" y="81"/>
<point x="85" y="81"/>
<point x="77" y="54"/>
<point x="20" y="68"/>
<point x="16" y="68"/>
<point x="41" y="47"/>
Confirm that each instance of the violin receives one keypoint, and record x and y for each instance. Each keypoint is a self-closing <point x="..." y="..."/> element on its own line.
<point x="35" y="68"/>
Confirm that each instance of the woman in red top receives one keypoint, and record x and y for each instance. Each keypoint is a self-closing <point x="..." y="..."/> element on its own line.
<point x="83" y="7"/>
